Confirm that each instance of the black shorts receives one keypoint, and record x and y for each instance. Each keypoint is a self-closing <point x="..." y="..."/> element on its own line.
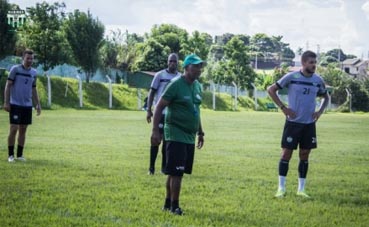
<point x="161" y="124"/>
<point x="20" y="115"/>
<point x="295" y="134"/>
<point x="180" y="158"/>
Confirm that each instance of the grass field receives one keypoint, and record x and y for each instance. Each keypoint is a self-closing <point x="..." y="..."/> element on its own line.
<point x="89" y="168"/>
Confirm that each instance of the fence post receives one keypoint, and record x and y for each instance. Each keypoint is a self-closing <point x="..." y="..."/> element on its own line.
<point x="139" y="95"/>
<point x="48" y="90"/>
<point x="255" y="96"/>
<point x="235" y="95"/>
<point x="110" y="92"/>
<point x="80" y="91"/>
<point x="349" y="96"/>
<point x="213" y="91"/>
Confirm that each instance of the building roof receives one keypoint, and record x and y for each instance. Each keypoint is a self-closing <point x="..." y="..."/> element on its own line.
<point x="352" y="61"/>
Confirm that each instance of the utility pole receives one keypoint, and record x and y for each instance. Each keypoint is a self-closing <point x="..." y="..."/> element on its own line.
<point x="318" y="52"/>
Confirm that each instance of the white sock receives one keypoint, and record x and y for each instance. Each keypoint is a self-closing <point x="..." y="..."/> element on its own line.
<point x="282" y="182"/>
<point x="301" y="184"/>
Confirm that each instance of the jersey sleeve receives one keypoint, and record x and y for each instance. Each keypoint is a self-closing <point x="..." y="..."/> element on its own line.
<point x="12" y="73"/>
<point x="284" y="81"/>
<point x="170" y="91"/>
<point x="156" y="81"/>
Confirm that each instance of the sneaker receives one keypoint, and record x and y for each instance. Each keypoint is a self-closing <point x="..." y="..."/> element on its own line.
<point x="280" y="193"/>
<point x="303" y="194"/>
<point x="177" y="211"/>
<point x="21" y="158"/>
<point x="151" y="171"/>
<point x="11" y="158"/>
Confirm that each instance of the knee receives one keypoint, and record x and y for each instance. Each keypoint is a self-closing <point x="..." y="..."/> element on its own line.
<point x="286" y="154"/>
<point x="304" y="154"/>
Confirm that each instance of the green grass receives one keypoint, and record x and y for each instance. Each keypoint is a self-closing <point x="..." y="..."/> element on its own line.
<point x="89" y="168"/>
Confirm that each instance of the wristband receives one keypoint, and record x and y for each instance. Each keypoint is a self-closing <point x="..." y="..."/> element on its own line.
<point x="201" y="134"/>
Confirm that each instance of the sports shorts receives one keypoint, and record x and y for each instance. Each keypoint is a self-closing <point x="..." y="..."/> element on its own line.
<point x="180" y="157"/>
<point x="20" y="115"/>
<point x="297" y="134"/>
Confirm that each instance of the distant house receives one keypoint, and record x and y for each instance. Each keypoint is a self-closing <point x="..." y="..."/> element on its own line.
<point x="356" y="67"/>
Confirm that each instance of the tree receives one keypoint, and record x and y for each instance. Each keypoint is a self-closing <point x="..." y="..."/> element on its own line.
<point x="85" y="35"/>
<point x="7" y="36"/>
<point x="237" y="64"/>
<point x="170" y="35"/>
<point x="262" y="43"/>
<point x="197" y="44"/>
<point x="44" y="34"/>
<point x="153" y="56"/>
<point x="223" y="39"/>
<point x="119" y="50"/>
<point x="337" y="54"/>
<point x="360" y="96"/>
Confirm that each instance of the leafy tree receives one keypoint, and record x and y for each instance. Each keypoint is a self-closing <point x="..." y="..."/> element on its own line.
<point x="360" y="96"/>
<point x="337" y="79"/>
<point x="85" y="35"/>
<point x="299" y="51"/>
<point x="337" y="54"/>
<point x="7" y="36"/>
<point x="245" y="39"/>
<point x="197" y="44"/>
<point x="153" y="56"/>
<point x="279" y="72"/>
<point x="351" y="56"/>
<point x="262" y="43"/>
<point x="208" y="38"/>
<point x="223" y="39"/>
<point x="119" y="50"/>
<point x="170" y="35"/>
<point x="216" y="52"/>
<point x="237" y="64"/>
<point x="326" y="60"/>
<point x="44" y="34"/>
<point x="264" y="80"/>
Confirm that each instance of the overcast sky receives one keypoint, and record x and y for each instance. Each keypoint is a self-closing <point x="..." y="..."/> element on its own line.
<point x="302" y="23"/>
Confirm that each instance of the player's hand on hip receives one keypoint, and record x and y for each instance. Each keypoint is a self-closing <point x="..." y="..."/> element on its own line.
<point x="289" y="113"/>
<point x="200" y="141"/>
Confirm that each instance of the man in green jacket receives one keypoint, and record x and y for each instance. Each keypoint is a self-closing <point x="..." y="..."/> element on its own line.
<point x="182" y="98"/>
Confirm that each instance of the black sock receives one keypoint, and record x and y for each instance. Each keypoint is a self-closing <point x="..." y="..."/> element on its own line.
<point x="303" y="168"/>
<point x="167" y="203"/>
<point x="175" y="205"/>
<point x="153" y="154"/>
<point x="283" y="167"/>
<point x="11" y="150"/>
<point x="19" y="151"/>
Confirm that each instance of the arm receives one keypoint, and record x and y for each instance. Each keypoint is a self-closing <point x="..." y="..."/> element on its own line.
<point x="272" y="91"/>
<point x="150" y="99"/>
<point x="155" y="135"/>
<point x="322" y="107"/>
<point x="200" y="137"/>
<point x="9" y="84"/>
<point x="36" y="100"/>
